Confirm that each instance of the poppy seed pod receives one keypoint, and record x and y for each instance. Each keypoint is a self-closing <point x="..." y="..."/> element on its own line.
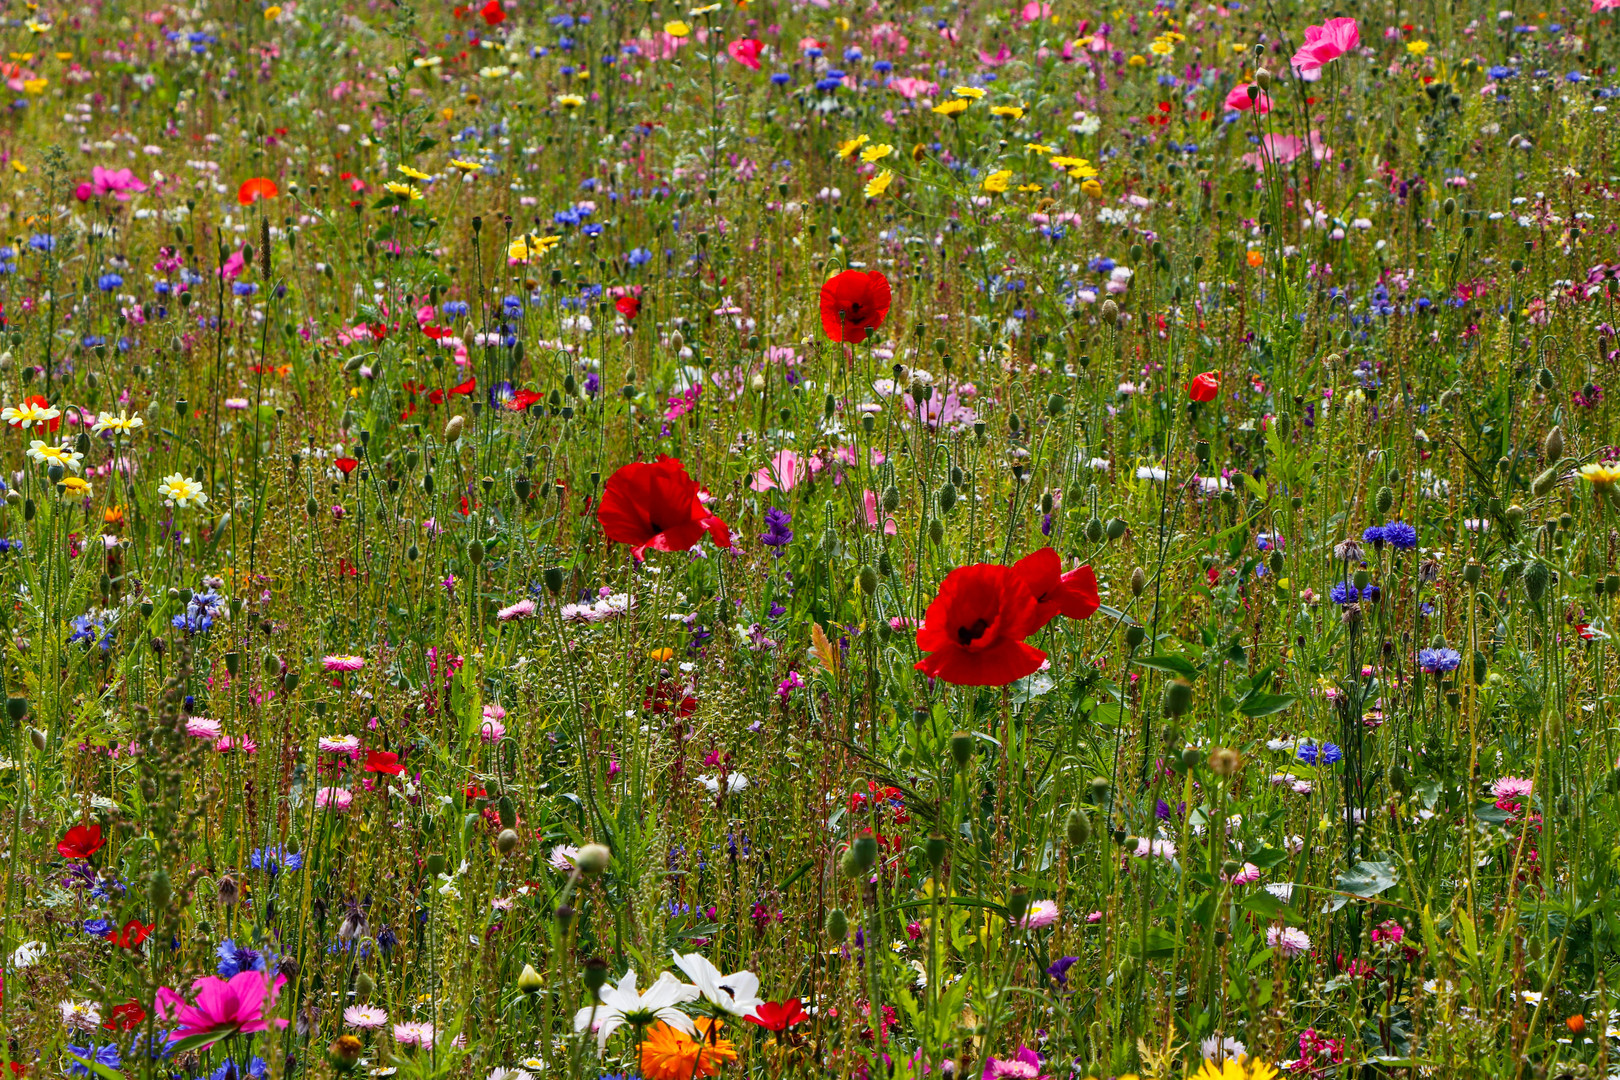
<point x="1135" y="635"/>
<point x="864" y="852"/>
<point x="596" y="974"/>
<point x="1138" y="581"/>
<point x="1114" y="530"/>
<point x="452" y="429"/>
<point x="1018" y="902"/>
<point x="158" y="893"/>
<point x="1536" y="577"/>
<point x="1077" y="827"/>
<point x="947" y="497"/>
<point x="1384" y="500"/>
<point x="961" y="748"/>
<point x="1552" y="448"/>
<point x="554" y="579"/>
<point x="38" y="739"/>
<point x="507" y="841"/>
<point x="836" y="926"/>
<point x="434" y="864"/>
<point x="1177" y="697"/>
<point x="935" y="847"/>
<point x="593" y="859"/>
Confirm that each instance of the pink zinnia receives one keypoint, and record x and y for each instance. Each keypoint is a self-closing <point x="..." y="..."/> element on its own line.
<point x="343" y="663"/>
<point x="226" y="1006"/>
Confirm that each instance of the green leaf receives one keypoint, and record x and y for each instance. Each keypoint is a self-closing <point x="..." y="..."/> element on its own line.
<point x="202" y="1039"/>
<point x="1159" y="942"/>
<point x="1365" y="879"/>
<point x="1176" y="665"/>
<point x="1267" y="907"/>
<point x="1265" y="704"/>
<point x="96" y="1067"/>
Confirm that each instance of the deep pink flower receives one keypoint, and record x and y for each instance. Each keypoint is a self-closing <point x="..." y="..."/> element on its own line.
<point x="224" y="1006"/>
<point x="1245" y="97"/>
<point x="1323" y="43"/>
<point x="120" y="183"/>
<point x="746" y="52"/>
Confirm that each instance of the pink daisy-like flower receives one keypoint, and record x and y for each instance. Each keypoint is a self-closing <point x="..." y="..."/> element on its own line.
<point x="520" y="610"/>
<point x="333" y="798"/>
<point x="200" y="727"/>
<point x="339" y="744"/>
<point x="1041" y="914"/>
<point x="343" y="663"/>
<point x="414" y="1033"/>
<point x="365" y="1017"/>
<point x="227" y="743"/>
<point x="492" y="730"/>
<point x="1288" y="941"/>
<point x="1246" y="876"/>
<point x="1512" y="787"/>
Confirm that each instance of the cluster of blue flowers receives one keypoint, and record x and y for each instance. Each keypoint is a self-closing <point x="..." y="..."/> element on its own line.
<point x="1397" y="534"/>
<point x="1326" y="754"/>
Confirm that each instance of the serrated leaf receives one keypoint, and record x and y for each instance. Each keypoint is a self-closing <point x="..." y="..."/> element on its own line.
<point x="1265" y="704"/>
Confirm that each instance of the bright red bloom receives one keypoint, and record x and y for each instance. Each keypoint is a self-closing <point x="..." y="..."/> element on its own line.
<point x="976" y="626"/>
<point x="384" y="761"/>
<point x="523" y="399"/>
<point x="628" y="306"/>
<point x="125" y="1017"/>
<point x="131" y="935"/>
<point x="1073" y="594"/>
<point x="492" y="12"/>
<point x="255" y="189"/>
<point x="656" y="505"/>
<point x="1205" y="387"/>
<point x="346" y="465"/>
<point x="852" y="303"/>
<point x="81" y="842"/>
<point x="668" y="696"/>
<point x="778" y="1015"/>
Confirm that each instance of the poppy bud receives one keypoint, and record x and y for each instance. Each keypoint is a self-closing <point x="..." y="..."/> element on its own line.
<point x="1536" y="576"/>
<point x="158" y="893"/>
<point x="452" y="430"/>
<point x="593" y="859"/>
<point x="434" y="864"/>
<point x="1055" y="405"/>
<point x="837" y="925"/>
<point x="961" y="748"/>
<point x="475" y="552"/>
<point x="38" y="738"/>
<point x="1544" y="378"/>
<point x="1177" y="697"/>
<point x="1134" y="635"/>
<point x="1138" y="581"/>
<point x="1191" y="757"/>
<point x="936" y="532"/>
<point x="529" y="981"/>
<point x="935" y="847"/>
<point x="1110" y="312"/>
<point x="864" y="852"/>
<point x="1384" y="500"/>
<point x="506" y="842"/>
<point x="947" y="497"/>
<point x="507" y="812"/>
<point x="565" y="916"/>
<point x="1545" y="481"/>
<point x="891" y="499"/>
<point x="554" y="579"/>
<point x="596" y="973"/>
<point x="1078" y="828"/>
<point x="364" y="985"/>
<point x="1017" y="902"/>
<point x="1552" y="449"/>
<point x="1115" y="528"/>
<point x="869" y="580"/>
<point x="1094" y="530"/>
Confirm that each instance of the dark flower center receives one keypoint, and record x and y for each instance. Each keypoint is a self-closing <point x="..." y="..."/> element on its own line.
<point x="967" y="635"/>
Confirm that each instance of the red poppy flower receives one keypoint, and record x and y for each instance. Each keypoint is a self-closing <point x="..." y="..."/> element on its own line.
<point x="39" y="403"/>
<point x="346" y="465"/>
<point x="656" y="505"/>
<point x="976" y="626"/>
<point x="523" y="399"/>
<point x="1073" y="594"/>
<point x="1205" y="387"/>
<point x="852" y="303"/>
<point x="384" y="761"/>
<point x="778" y="1015"/>
<point x="81" y="842"/>
<point x="493" y="13"/>
<point x="437" y="333"/>
<point x="130" y="935"/>
<point x="666" y="697"/>
<point x="628" y="306"/>
<point x="378" y="330"/>
<point x="125" y="1017"/>
<point x="255" y="189"/>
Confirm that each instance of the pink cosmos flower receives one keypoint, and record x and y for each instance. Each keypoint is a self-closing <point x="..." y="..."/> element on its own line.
<point x="869" y="497"/>
<point x="1245" y="97"/>
<point x="996" y="59"/>
<point x="910" y="88"/>
<point x="120" y="183"/>
<point x="1605" y="5"/>
<point x="746" y="52"/>
<point x="1288" y="941"/>
<point x="234" y="266"/>
<point x="1324" y="43"/>
<point x="223" y="1007"/>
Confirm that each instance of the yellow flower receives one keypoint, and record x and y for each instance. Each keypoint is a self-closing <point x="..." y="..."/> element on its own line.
<point x="705" y="9"/>
<point x="182" y="490"/>
<point x="404" y="191"/>
<point x="18" y="166"/>
<point x="1037" y="148"/>
<point x="75" y="487"/>
<point x="876" y="186"/>
<point x="427" y="61"/>
<point x="272" y="13"/>
<point x="1137" y="61"/>
<point x="1603" y="475"/>
<point x="1012" y="112"/>
<point x="968" y="92"/>
<point x="951" y="108"/>
<point x="1092" y="188"/>
<point x="997" y="181"/>
<point x="1069" y="162"/>
<point x="876" y="152"/>
<point x="842" y="23"/>
<point x="847" y="149"/>
<point x="582" y="73"/>
<point x="38" y="27"/>
<point x="1417" y="48"/>
<point x="529" y="247"/>
<point x="46" y="454"/>
<point x="1240" y="1068"/>
<point x="1161" y="47"/>
<point x="570" y="101"/>
<point x="1030" y="187"/>
<point x="36" y="86"/>
<point x="414" y="174"/>
<point x="677" y="29"/>
<point x="1083" y="171"/>
<point x="1240" y="46"/>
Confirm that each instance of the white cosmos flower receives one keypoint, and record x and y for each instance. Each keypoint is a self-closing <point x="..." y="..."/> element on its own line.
<point x="622" y="1005"/>
<point x="737" y="994"/>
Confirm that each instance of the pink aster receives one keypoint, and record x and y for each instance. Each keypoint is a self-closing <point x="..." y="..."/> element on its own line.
<point x="333" y="798"/>
<point x="343" y="663"/>
<point x="200" y="727"/>
<point x="1041" y="914"/>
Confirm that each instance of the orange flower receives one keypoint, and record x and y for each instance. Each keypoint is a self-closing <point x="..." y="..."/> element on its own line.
<point x="255" y="189"/>
<point x="1256" y="258"/>
<point x="1576" y="1024"/>
<point x="668" y="1054"/>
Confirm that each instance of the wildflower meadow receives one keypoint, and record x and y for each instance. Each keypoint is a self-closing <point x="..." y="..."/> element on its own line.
<point x="802" y="538"/>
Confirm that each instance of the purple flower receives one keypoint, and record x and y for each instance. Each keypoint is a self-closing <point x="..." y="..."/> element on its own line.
<point x="1060" y="970"/>
<point x="777" y="535"/>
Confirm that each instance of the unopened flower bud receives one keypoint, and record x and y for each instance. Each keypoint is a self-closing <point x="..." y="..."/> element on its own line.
<point x="837" y="925"/>
<point x="1138" y="581"/>
<point x="593" y="859"/>
<point x="529" y="980"/>
<point x="507" y="841"/>
<point x="344" y="1053"/>
<point x="452" y="430"/>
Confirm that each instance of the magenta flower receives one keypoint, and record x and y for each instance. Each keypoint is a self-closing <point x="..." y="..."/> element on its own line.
<point x="1323" y="43"/>
<point x="224" y="1006"/>
<point x="120" y="183"/>
<point x="1024" y="1065"/>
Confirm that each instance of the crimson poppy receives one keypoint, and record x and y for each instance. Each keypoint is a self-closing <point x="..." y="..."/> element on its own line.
<point x="628" y="306"/>
<point x="126" y="1017"/>
<point x="523" y="399"/>
<point x="492" y="12"/>
<point x="852" y="303"/>
<point x="1073" y="594"/>
<point x="80" y="842"/>
<point x="130" y="935"/>
<point x="656" y="505"/>
<point x="975" y="628"/>
<point x="346" y="465"/>
<point x="778" y="1015"/>
<point x="384" y="761"/>
<point x="255" y="189"/>
<point x="1204" y="387"/>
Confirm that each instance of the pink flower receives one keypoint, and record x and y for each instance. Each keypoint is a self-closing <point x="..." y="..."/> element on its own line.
<point x="200" y="727"/>
<point x="223" y="1007"/>
<point x="343" y="663"/>
<point x="786" y="471"/>
<point x="121" y="183"/>
<point x="1041" y="914"/>
<point x="1245" y="97"/>
<point x="1281" y="149"/>
<point x="1512" y="787"/>
<point x="1001" y="56"/>
<point x="746" y="52"/>
<point x="1024" y="1065"/>
<point x="889" y="527"/>
<point x="333" y="798"/>
<point x="1605" y="5"/>
<point x="1288" y="941"/>
<point x="910" y="88"/>
<point x="520" y="610"/>
<point x="234" y="266"/>
<point x="1034" y="11"/>
<point x="1327" y="42"/>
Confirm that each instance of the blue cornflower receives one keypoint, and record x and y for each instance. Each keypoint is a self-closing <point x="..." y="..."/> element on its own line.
<point x="1435" y="661"/>
<point x="1331" y="753"/>
<point x="102" y="1055"/>
<point x="1343" y="593"/>
<point x="781" y="78"/>
<point x="203" y="608"/>
<point x="882" y="67"/>
<point x="97" y="927"/>
<point x="1374" y="535"/>
<point x="244" y="288"/>
<point x="828" y="85"/>
<point x="500" y="394"/>
<point x="1400" y="536"/>
<point x="275" y="859"/>
<point x="42" y="242"/>
<point x="638" y="257"/>
<point x="234" y="960"/>
<point x="1306" y="753"/>
<point x="109" y="282"/>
